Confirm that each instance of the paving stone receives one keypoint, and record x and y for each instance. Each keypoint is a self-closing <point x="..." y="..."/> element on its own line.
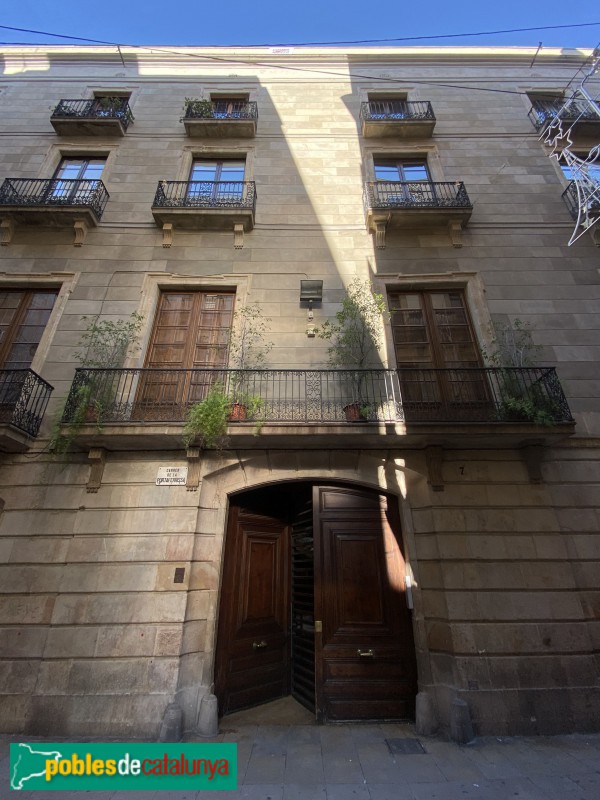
<point x="387" y="791"/>
<point x="304" y="764"/>
<point x="304" y="791"/>
<point x="265" y="767"/>
<point x="340" y="768"/>
<point x="348" y="791"/>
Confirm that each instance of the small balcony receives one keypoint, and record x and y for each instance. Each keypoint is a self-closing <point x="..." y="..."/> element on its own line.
<point x="54" y="202"/>
<point x="221" y="119"/>
<point x="205" y="205"/>
<point x="408" y="205"/>
<point x="403" y="119"/>
<point x="144" y="408"/>
<point x="24" y="397"/>
<point x="101" y="116"/>
<point x="581" y="115"/>
<point x="591" y="212"/>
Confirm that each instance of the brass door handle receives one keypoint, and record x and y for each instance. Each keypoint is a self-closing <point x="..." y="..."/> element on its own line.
<point x="365" y="653"/>
<point x="259" y="645"/>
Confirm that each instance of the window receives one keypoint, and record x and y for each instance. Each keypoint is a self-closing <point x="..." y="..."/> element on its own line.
<point x="401" y="170"/>
<point x="593" y="169"/>
<point x="388" y="107"/>
<point x="415" y="186"/>
<point x="190" y="340"/>
<point x="216" y="182"/>
<point x="436" y="353"/>
<point x="229" y="107"/>
<point x="76" y="177"/>
<point x="24" y="315"/>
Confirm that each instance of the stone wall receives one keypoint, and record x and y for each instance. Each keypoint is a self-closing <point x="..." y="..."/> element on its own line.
<point x="95" y="636"/>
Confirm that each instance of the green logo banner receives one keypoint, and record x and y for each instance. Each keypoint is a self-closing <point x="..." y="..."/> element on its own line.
<point x="68" y="767"/>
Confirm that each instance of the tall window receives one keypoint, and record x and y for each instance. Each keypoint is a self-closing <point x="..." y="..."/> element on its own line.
<point x="229" y="107"/>
<point x="436" y="353"/>
<point x="401" y="170"/>
<point x="24" y="315"/>
<point x="593" y="169"/>
<point x="217" y="182"/>
<point x="387" y="107"/>
<point x="189" y="344"/>
<point x="76" y="177"/>
<point x="403" y="181"/>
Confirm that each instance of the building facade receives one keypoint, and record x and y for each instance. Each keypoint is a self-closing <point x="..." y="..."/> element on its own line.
<point x="437" y="554"/>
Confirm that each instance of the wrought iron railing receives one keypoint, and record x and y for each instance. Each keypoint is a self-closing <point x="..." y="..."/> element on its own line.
<point x="375" y="110"/>
<point x="492" y="395"/>
<point x="42" y="192"/>
<point x="24" y="397"/>
<point x="97" y="108"/>
<point x="205" y="194"/>
<point x="222" y="109"/>
<point x="571" y="200"/>
<point x="415" y="194"/>
<point x="544" y="111"/>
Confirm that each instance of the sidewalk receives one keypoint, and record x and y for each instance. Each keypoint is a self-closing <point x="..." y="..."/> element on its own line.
<point x="380" y="762"/>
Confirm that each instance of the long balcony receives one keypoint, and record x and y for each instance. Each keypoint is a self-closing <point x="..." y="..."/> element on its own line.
<point x="53" y="202"/>
<point x="221" y="119"/>
<point x="416" y="204"/>
<point x="581" y="115"/>
<point x="24" y="397"/>
<point x="100" y="116"/>
<point x="205" y="205"/>
<point x="401" y="118"/>
<point x="145" y="407"/>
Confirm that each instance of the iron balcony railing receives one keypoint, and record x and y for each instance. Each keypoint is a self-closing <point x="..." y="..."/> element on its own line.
<point x="571" y="200"/>
<point x="415" y="194"/>
<point x="391" y="110"/>
<point x="205" y="194"/>
<point x="24" y="397"/>
<point x="95" y="109"/>
<point x="52" y="192"/>
<point x="222" y="109"/>
<point x="544" y="111"/>
<point x="490" y="395"/>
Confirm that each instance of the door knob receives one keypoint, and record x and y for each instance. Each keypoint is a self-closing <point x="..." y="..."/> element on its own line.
<point x="365" y="653"/>
<point x="259" y="645"/>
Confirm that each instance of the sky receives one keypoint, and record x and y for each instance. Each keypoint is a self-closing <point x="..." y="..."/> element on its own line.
<point x="277" y="22"/>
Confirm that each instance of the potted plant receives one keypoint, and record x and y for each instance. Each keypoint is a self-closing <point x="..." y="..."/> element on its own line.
<point x="248" y="351"/>
<point x="237" y="401"/>
<point x="356" y="334"/>
<point x="208" y="419"/>
<point x="520" y="400"/>
<point x="103" y="346"/>
<point x="194" y="108"/>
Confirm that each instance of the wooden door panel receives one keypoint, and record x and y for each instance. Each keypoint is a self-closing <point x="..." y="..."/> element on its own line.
<point x="365" y="658"/>
<point x="253" y="641"/>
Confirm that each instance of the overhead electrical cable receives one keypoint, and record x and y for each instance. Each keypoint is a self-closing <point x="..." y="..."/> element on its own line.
<point x="345" y="75"/>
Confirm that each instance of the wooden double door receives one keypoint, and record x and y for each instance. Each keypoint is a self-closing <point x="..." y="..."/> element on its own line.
<point x="313" y="604"/>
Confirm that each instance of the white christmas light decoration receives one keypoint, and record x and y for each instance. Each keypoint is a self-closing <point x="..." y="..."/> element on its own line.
<point x="585" y="172"/>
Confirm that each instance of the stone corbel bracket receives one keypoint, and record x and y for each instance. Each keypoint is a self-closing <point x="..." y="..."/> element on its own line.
<point x="378" y="226"/>
<point x="97" y="459"/>
<point x="238" y="235"/>
<point x="435" y="460"/>
<point x="193" y="476"/>
<point x="167" y="232"/>
<point x="7" y="230"/>
<point x="81" y="228"/>
<point x="455" y="230"/>
<point x="533" y="455"/>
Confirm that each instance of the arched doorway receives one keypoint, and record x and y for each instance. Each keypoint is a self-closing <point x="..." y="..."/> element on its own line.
<point x="313" y="603"/>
